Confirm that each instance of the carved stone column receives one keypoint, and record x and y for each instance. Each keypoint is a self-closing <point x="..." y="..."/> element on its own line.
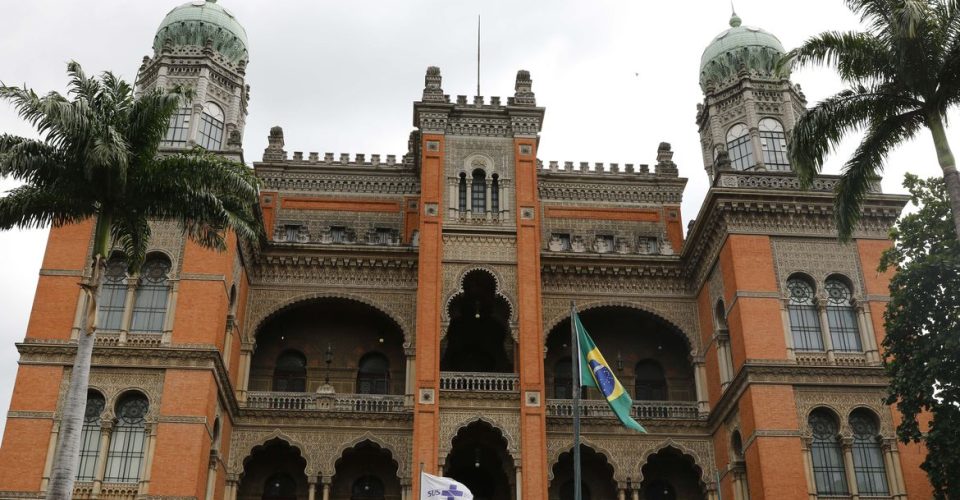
<point x="171" y="311"/>
<point x="106" y="430"/>
<point x="453" y="205"/>
<point x="635" y="494"/>
<point x="808" y="469"/>
<point x="410" y="382"/>
<point x="243" y="376"/>
<point x="128" y="301"/>
<point x="700" y="379"/>
<point x="488" y="208"/>
<point x="787" y="334"/>
<point x="866" y="333"/>
<point x="825" y="329"/>
<point x="148" y="457"/>
<point x="51" y="449"/>
<point x="519" y="484"/>
<point x="326" y="488"/>
<point x="898" y="486"/>
<point x="230" y="492"/>
<point x="469" y="207"/>
<point x="621" y="494"/>
<point x="212" y="474"/>
<point x="847" y="444"/>
<point x="312" y="491"/>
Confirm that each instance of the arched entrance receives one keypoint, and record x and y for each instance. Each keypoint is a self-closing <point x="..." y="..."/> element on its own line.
<point x="670" y="474"/>
<point x="596" y="476"/>
<point x="478" y="338"/>
<point x="366" y="472"/>
<point x="479" y="459"/>
<point x="273" y="471"/>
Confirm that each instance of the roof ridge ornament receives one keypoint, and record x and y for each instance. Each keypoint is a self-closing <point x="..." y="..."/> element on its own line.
<point x="735" y="20"/>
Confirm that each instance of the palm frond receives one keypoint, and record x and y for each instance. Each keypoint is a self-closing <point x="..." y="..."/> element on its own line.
<point x="131" y="233"/>
<point x="866" y="165"/>
<point x="29" y="207"/>
<point x="858" y="57"/>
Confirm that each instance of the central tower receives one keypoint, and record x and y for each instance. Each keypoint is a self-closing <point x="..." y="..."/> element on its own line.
<point x="479" y="318"/>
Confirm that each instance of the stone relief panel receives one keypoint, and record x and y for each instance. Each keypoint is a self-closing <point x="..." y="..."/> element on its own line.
<point x="555" y="188"/>
<point x="264" y="302"/>
<point x="619" y="281"/>
<point x="480" y="248"/>
<point x="112" y="383"/>
<point x="628" y="454"/>
<point x="817" y="258"/>
<point x="326" y="183"/>
<point x="498" y="151"/>
<point x="843" y="400"/>
<point x="506" y="420"/>
<point x="322" y="449"/>
<point x="167" y="237"/>
<point x="680" y="313"/>
<point x="715" y="283"/>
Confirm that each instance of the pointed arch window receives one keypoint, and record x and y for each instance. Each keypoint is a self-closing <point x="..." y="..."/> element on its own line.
<point x="649" y="382"/>
<point x="280" y="486"/>
<point x="563" y="379"/>
<point x="367" y="487"/>
<point x="113" y="295"/>
<point x="739" y="147"/>
<point x="125" y="458"/>
<point x="828" y="469"/>
<point x="868" y="463"/>
<point x="90" y="436"/>
<point x="179" y="128"/>
<point x="841" y="316"/>
<point x="773" y="142"/>
<point x="462" y="192"/>
<point x="479" y="191"/>
<point x="804" y="318"/>
<point x="150" y="303"/>
<point x="374" y="374"/>
<point x="211" y="127"/>
<point x="290" y="373"/>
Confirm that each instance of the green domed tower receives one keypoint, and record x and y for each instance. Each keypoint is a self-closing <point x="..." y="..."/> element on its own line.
<point x="201" y="45"/>
<point x="749" y="105"/>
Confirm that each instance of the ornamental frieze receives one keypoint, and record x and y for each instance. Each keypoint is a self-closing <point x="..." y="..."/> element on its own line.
<point x="817" y="258"/>
<point x="842" y="401"/>
<point x="505" y="420"/>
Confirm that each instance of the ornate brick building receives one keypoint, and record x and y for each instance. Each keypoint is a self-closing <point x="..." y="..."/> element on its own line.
<point x="414" y="309"/>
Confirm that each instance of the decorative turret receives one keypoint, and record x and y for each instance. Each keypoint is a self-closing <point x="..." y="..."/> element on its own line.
<point x="201" y="46"/>
<point x="749" y="105"/>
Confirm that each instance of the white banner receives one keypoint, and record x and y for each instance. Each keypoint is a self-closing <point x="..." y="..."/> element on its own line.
<point x="442" y="488"/>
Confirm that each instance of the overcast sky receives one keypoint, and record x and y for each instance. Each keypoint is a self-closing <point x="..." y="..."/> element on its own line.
<point x="616" y="77"/>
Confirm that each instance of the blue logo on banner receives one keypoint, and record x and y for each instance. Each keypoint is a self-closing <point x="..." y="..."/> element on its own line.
<point x="452" y="493"/>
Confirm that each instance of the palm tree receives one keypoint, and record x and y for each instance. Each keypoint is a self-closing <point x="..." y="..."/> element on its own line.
<point x="97" y="158"/>
<point x="902" y="75"/>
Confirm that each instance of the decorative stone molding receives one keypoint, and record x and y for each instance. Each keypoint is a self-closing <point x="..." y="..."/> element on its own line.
<point x="506" y="420"/>
<point x="480" y="248"/>
<point x="113" y="383"/>
<point x="817" y="258"/>
<point x="842" y="401"/>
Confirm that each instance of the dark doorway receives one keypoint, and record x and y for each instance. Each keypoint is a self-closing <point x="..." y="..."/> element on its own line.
<point x="671" y="475"/>
<point x="477" y="337"/>
<point x="479" y="459"/>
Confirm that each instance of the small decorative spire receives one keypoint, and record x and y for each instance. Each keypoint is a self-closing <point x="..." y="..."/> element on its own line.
<point x="432" y="90"/>
<point x="734" y="18"/>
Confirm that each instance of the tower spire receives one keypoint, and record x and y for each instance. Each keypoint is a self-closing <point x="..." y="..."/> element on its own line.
<point x="478" y="54"/>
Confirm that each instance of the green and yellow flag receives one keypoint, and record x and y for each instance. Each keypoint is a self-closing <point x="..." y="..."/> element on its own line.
<point x="595" y="372"/>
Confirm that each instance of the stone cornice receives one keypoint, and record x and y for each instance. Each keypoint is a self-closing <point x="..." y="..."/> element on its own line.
<point x="307" y="262"/>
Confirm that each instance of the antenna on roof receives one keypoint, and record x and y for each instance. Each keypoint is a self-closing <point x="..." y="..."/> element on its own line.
<point x="478" y="54"/>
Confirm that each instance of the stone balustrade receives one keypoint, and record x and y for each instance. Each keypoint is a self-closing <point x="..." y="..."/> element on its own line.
<point x="642" y="410"/>
<point x="361" y="403"/>
<point x="479" y="382"/>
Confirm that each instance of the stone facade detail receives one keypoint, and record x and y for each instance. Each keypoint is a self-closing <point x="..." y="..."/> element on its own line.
<point x="818" y="259"/>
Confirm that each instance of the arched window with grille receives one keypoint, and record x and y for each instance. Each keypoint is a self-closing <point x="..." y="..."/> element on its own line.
<point x="150" y="304"/>
<point x="290" y="373"/>
<point x="828" y="469"/>
<point x="495" y="194"/>
<point x="128" y="440"/>
<point x="90" y="436"/>
<point x="773" y="142"/>
<point x="462" y="192"/>
<point x="211" y="127"/>
<point x="739" y="147"/>
<point x="367" y="487"/>
<point x="803" y="315"/>
<point x="113" y="295"/>
<point x="841" y="316"/>
<point x="373" y="376"/>
<point x="649" y="382"/>
<point x="479" y="192"/>
<point x="868" y="463"/>
<point x="280" y="486"/>
<point x="563" y="379"/>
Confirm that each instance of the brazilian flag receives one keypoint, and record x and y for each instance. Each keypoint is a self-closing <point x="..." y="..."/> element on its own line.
<point x="595" y="372"/>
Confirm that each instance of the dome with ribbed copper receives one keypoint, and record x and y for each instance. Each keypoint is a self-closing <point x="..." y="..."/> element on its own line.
<point x="740" y="47"/>
<point x="198" y="21"/>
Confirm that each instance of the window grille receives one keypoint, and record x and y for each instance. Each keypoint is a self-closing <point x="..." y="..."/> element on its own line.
<point x="179" y="128"/>
<point x="739" y="147"/>
<point x="150" y="304"/>
<point x="841" y="317"/>
<point x="127" y="442"/>
<point x="773" y="142"/>
<point x="649" y="382"/>
<point x="374" y="375"/>
<point x="211" y="127"/>
<point x="113" y="295"/>
<point x="90" y="437"/>
<point x="867" y="456"/>
<point x="290" y="373"/>
<point x="495" y="194"/>
<point x="479" y="192"/>
<point x="828" y="469"/>
<point x="804" y="318"/>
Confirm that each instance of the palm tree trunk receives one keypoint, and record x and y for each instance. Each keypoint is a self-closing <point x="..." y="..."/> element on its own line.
<point x="66" y="459"/>
<point x="949" y="165"/>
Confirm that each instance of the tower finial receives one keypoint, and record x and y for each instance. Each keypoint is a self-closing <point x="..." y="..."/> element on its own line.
<point x="734" y="18"/>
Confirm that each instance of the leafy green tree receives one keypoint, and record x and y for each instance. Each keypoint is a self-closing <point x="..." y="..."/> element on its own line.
<point x="97" y="159"/>
<point x="902" y="75"/>
<point x="922" y="346"/>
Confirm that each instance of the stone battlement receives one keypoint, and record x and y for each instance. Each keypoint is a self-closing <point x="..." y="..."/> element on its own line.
<point x="275" y="153"/>
<point x="665" y="167"/>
